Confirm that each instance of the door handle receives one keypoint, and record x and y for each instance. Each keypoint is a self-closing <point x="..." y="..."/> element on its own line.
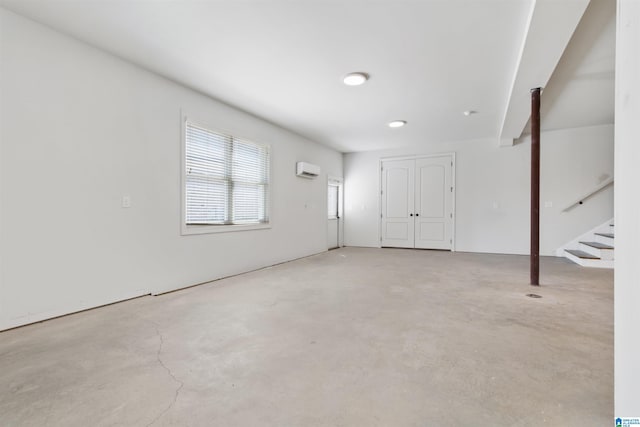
<point x="417" y="214"/>
<point x="410" y="214"/>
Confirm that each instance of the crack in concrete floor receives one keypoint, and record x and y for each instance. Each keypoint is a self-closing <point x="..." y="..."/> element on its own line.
<point x="161" y="362"/>
<point x="400" y="338"/>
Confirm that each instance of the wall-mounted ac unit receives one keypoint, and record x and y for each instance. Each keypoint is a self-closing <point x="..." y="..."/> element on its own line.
<point x="307" y="170"/>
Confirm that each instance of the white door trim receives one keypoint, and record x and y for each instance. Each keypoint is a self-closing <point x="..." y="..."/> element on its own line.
<point x="415" y="157"/>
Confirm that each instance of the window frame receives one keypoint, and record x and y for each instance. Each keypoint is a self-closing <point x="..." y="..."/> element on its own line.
<point x="190" y="229"/>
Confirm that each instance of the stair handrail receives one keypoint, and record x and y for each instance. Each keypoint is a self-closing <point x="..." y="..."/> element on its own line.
<point x="597" y="189"/>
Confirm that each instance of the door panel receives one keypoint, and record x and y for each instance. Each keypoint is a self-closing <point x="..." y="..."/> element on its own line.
<point x="332" y="234"/>
<point x="397" y="194"/>
<point x="397" y="231"/>
<point x="430" y="231"/>
<point x="434" y="201"/>
<point x="431" y="193"/>
<point x="397" y="203"/>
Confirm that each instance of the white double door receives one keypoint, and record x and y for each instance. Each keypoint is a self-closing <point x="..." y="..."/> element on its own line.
<point x="417" y="203"/>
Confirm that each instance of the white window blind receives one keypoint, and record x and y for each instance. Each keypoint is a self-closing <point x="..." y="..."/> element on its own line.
<point x="332" y="201"/>
<point x="227" y="179"/>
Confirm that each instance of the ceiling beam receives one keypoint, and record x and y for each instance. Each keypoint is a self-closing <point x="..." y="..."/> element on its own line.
<point x="550" y="27"/>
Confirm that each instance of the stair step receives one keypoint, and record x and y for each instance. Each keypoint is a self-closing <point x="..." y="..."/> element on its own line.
<point x="609" y="235"/>
<point x="597" y="245"/>
<point x="581" y="254"/>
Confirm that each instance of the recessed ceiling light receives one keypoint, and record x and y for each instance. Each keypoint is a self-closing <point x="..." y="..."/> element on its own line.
<point x="397" y="123"/>
<point x="469" y="112"/>
<point x="355" y="79"/>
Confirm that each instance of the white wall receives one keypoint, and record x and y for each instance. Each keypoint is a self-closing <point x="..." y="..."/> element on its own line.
<point x="627" y="208"/>
<point x="80" y="129"/>
<point x="493" y="190"/>
<point x="573" y="163"/>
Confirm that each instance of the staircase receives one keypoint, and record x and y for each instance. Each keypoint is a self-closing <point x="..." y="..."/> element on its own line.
<point x="594" y="252"/>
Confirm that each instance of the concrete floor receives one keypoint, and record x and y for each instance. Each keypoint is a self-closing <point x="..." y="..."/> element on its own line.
<point x="352" y="337"/>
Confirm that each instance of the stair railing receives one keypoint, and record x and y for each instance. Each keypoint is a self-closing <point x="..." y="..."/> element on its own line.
<point x="597" y="189"/>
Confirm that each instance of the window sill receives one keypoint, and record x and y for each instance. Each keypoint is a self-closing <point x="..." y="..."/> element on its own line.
<point x="208" y="229"/>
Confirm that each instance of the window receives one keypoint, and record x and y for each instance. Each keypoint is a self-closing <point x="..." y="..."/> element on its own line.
<point x="226" y="179"/>
<point x="332" y="200"/>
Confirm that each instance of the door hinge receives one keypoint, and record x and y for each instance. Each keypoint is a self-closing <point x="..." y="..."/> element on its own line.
<point x="450" y="215"/>
<point x="381" y="216"/>
<point x="452" y="189"/>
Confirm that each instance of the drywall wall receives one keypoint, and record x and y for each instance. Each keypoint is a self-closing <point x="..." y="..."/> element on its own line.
<point x="81" y="129"/>
<point x="573" y="163"/>
<point x="627" y="210"/>
<point x="493" y="190"/>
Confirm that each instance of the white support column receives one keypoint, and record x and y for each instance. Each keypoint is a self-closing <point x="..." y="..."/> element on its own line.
<point x="627" y="210"/>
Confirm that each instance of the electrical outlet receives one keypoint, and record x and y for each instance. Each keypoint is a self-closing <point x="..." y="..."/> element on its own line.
<point x="126" y="201"/>
<point x="548" y="204"/>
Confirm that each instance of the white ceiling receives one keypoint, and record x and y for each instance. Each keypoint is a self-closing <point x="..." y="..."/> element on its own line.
<point x="283" y="60"/>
